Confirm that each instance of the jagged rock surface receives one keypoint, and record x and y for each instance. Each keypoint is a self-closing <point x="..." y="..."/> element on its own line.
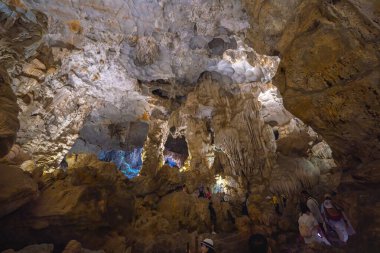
<point x="329" y="76"/>
<point x="16" y="188"/>
<point x="157" y="40"/>
<point x="20" y="30"/>
<point x="329" y="70"/>
<point x="91" y="196"/>
<point x="80" y="71"/>
<point x="88" y="64"/>
<point x="9" y="123"/>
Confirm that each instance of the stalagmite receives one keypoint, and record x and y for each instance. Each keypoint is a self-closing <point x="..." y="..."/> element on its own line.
<point x="122" y="121"/>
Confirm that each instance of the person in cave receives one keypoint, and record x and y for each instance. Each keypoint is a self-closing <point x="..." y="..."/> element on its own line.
<point x="208" y="193"/>
<point x="212" y="217"/>
<point x="276" y="205"/>
<point x="201" y="192"/>
<point x="336" y="219"/>
<point x="207" y="246"/>
<point x="309" y="227"/>
<point x="313" y="206"/>
<point x="224" y="197"/>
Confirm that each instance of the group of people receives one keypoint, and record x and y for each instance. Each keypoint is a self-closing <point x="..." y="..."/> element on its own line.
<point x="317" y="221"/>
<point x="204" y="194"/>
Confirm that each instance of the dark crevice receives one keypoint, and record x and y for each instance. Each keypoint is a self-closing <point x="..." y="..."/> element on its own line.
<point x="275" y="52"/>
<point x="328" y="83"/>
<point x="217" y="46"/>
<point x="176" y="151"/>
<point x="177" y="145"/>
<point x="276" y="134"/>
<point x="160" y="93"/>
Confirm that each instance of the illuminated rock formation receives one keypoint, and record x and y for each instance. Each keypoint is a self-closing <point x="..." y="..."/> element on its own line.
<point x="117" y="118"/>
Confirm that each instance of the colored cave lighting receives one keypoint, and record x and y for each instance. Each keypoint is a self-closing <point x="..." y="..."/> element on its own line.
<point x="169" y="161"/>
<point x="128" y="162"/>
<point x="220" y="184"/>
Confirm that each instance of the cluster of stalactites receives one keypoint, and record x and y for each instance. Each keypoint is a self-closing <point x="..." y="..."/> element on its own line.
<point x="250" y="146"/>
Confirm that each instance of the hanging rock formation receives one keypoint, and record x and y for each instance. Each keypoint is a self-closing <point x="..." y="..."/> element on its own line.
<point x="88" y="78"/>
<point x="20" y="32"/>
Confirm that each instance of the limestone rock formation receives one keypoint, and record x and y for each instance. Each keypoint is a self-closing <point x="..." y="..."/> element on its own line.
<point x="91" y="196"/>
<point x="179" y="31"/>
<point x="329" y="68"/>
<point x="8" y="118"/>
<point x="328" y="77"/>
<point x="21" y="31"/>
<point x="16" y="188"/>
<point x="176" y="84"/>
<point x="74" y="65"/>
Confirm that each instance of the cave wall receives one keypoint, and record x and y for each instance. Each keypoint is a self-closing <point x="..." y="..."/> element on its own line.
<point x="329" y="71"/>
<point x="329" y="78"/>
<point x="8" y="118"/>
<point x="20" y="35"/>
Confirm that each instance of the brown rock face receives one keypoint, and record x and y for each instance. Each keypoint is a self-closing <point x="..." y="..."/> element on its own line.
<point x="9" y="123"/>
<point x="20" y="36"/>
<point x="82" y="204"/>
<point x="329" y="77"/>
<point x="329" y="73"/>
<point x="16" y="189"/>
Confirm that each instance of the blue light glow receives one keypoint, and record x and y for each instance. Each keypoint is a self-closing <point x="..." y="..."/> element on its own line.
<point x="169" y="161"/>
<point x="128" y="162"/>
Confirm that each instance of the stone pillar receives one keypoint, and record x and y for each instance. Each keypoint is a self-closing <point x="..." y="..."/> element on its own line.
<point x="154" y="147"/>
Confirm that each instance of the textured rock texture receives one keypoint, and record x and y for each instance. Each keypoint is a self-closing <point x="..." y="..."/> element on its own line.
<point x="9" y="123"/>
<point x="16" y="188"/>
<point x="329" y="77"/>
<point x="90" y="198"/>
<point x="83" y="87"/>
<point x="20" y="35"/>
<point x="157" y="39"/>
<point x="87" y="76"/>
<point x="86" y="72"/>
<point x="329" y="71"/>
<point x="223" y="116"/>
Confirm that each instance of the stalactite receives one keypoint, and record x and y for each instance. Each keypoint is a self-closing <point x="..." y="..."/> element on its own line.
<point x="293" y="180"/>
<point x="246" y="158"/>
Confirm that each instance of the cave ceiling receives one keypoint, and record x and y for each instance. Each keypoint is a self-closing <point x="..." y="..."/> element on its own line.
<point x="105" y="62"/>
<point x="267" y="97"/>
